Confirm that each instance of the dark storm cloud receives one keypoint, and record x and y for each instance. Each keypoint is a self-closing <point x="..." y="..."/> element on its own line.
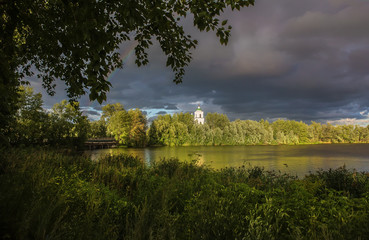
<point x="167" y="106"/>
<point x="95" y="113"/>
<point x="358" y="62"/>
<point x="151" y="119"/>
<point x="161" y="113"/>
<point x="309" y="63"/>
<point x="302" y="60"/>
<point x="171" y="107"/>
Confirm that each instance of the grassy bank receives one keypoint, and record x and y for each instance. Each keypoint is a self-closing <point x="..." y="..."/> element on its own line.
<point x="49" y="195"/>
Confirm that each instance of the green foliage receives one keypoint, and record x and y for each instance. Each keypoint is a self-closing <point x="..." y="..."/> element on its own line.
<point x="129" y="128"/>
<point x="171" y="130"/>
<point x="63" y="125"/>
<point x="49" y="195"/>
<point x="110" y="109"/>
<point x="342" y="179"/>
<point x="216" y="120"/>
<point x="31" y="121"/>
<point x="218" y="130"/>
<point x="119" y="125"/>
<point x="98" y="129"/>
<point x="68" y="125"/>
<point x="137" y="133"/>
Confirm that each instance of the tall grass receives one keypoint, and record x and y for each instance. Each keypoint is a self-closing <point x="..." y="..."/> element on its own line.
<point x="50" y="195"/>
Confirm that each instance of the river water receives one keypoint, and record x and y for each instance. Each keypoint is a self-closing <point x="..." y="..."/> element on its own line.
<point x="297" y="160"/>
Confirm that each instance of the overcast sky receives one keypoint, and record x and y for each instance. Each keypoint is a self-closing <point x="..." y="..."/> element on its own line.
<point x="290" y="59"/>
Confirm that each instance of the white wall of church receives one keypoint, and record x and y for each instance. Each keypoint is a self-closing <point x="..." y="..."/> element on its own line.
<point x="199" y="117"/>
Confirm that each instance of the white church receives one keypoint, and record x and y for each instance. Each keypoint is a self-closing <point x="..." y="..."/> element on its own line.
<point x="199" y="116"/>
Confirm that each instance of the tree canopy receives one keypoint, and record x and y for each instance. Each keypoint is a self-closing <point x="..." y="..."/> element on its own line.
<point x="77" y="41"/>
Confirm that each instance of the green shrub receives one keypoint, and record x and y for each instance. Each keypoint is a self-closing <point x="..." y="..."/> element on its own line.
<point x="345" y="180"/>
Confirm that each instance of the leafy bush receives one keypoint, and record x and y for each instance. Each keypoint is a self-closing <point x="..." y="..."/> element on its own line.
<point x="345" y="180"/>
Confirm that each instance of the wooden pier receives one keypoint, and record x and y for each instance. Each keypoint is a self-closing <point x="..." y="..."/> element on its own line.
<point x="100" y="143"/>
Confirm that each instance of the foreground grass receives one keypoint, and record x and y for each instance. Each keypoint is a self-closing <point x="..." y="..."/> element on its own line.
<point x="48" y="195"/>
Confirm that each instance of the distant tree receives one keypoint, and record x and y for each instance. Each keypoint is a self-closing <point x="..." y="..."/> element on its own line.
<point x="328" y="133"/>
<point x="153" y="134"/>
<point x="110" y="109"/>
<point x="137" y="133"/>
<point x="197" y="134"/>
<point x="316" y="132"/>
<point x="68" y="126"/>
<point x="253" y="132"/>
<point x="217" y="136"/>
<point x="363" y="134"/>
<point x="293" y="132"/>
<point x="127" y="127"/>
<point x="237" y="132"/>
<point x="216" y="120"/>
<point x="280" y="138"/>
<point x="338" y="134"/>
<point x="97" y="129"/>
<point x="119" y="126"/>
<point x="350" y="134"/>
<point x="162" y="133"/>
<point x="185" y="118"/>
<point x="301" y="131"/>
<point x="31" y="122"/>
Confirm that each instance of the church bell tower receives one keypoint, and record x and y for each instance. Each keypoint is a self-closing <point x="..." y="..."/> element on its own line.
<point x="199" y="116"/>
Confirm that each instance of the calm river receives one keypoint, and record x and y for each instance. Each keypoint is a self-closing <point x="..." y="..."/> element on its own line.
<point x="296" y="160"/>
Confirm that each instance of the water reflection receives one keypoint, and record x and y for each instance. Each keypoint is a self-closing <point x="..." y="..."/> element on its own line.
<point x="296" y="160"/>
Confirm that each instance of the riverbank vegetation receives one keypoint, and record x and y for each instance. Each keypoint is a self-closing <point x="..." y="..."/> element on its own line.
<point x="65" y="125"/>
<point x="51" y="195"/>
<point x="180" y="129"/>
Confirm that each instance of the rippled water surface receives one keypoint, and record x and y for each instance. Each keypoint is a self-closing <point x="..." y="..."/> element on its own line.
<point x="297" y="160"/>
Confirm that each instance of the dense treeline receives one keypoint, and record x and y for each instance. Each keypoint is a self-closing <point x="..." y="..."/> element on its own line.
<point x="65" y="124"/>
<point x="180" y="129"/>
<point x="48" y="195"/>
